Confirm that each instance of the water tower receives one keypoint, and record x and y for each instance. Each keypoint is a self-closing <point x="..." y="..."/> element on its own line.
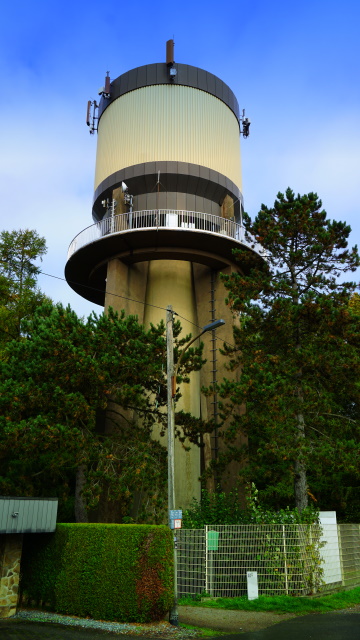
<point x="167" y="209"/>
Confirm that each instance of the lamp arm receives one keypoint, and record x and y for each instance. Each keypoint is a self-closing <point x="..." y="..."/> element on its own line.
<point x="183" y="353"/>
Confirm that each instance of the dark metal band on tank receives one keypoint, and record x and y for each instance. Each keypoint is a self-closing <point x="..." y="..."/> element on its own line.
<point x="175" y="177"/>
<point x="187" y="76"/>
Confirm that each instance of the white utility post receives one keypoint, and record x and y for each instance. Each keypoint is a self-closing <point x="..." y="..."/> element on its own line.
<point x="173" y="614"/>
<point x="171" y="371"/>
<point x="170" y="407"/>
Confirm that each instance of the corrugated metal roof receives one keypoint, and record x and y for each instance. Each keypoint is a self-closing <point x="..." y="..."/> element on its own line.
<point x="27" y="515"/>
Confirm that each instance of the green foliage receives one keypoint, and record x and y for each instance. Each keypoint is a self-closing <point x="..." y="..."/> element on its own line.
<point x="78" y="397"/>
<point x="297" y="353"/>
<point x="56" y="384"/>
<point x="227" y="508"/>
<point x="214" y="508"/>
<point x="19" y="295"/>
<point x="111" y="572"/>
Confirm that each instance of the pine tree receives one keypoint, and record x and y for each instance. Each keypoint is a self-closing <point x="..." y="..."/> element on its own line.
<point x="297" y="351"/>
<point x="79" y="400"/>
<point x="19" y="295"/>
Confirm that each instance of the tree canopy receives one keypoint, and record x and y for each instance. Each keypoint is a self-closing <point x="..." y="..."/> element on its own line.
<point x="82" y="397"/>
<point x="297" y="351"/>
<point x="19" y="294"/>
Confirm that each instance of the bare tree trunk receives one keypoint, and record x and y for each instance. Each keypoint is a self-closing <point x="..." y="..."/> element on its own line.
<point x="300" y="482"/>
<point x="300" y="485"/>
<point x="80" y="510"/>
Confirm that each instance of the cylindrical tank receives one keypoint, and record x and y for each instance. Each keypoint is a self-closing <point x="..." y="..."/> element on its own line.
<point x="186" y="128"/>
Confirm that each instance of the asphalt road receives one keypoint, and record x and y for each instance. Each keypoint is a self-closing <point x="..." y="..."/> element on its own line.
<point x="325" y="626"/>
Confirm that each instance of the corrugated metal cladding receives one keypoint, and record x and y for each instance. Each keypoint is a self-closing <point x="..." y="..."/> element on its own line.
<point x="174" y="200"/>
<point x="158" y="73"/>
<point x="167" y="122"/>
<point x="27" y="515"/>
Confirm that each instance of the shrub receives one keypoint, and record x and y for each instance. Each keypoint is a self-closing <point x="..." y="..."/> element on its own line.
<point x="105" y="571"/>
<point x="284" y="538"/>
<point x="227" y="508"/>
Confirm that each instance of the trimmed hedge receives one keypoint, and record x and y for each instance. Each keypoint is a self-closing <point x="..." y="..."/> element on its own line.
<point x="105" y="571"/>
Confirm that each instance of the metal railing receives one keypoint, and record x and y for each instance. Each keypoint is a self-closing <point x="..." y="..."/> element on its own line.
<point x="162" y="219"/>
<point x="289" y="559"/>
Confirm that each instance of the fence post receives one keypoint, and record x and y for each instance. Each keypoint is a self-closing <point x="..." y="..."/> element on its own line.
<point x="341" y="555"/>
<point x="312" y="568"/>
<point x="285" y="561"/>
<point x="206" y="559"/>
<point x="211" y="572"/>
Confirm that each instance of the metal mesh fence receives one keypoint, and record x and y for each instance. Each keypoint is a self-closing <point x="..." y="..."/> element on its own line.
<point x="349" y="539"/>
<point x="191" y="560"/>
<point x="215" y="560"/>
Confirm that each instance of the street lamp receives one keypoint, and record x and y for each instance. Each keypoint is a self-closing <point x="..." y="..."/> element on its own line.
<point x="171" y="390"/>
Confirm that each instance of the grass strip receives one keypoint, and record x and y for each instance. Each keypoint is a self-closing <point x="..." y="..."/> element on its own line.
<point x="283" y="604"/>
<point x="203" y="632"/>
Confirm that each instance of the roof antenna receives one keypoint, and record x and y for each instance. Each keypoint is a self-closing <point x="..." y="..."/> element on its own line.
<point x="170" y="62"/>
<point x="92" y="115"/>
<point x="245" y="125"/>
<point x="105" y="90"/>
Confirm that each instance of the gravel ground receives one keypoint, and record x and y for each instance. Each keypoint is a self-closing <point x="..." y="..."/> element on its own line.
<point x="160" y="629"/>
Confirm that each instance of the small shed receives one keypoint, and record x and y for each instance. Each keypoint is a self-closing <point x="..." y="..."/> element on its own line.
<point x="19" y="516"/>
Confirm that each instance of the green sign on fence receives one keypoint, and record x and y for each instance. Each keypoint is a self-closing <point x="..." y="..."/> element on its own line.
<point x="213" y="540"/>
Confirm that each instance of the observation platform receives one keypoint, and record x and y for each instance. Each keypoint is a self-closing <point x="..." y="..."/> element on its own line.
<point x="162" y="234"/>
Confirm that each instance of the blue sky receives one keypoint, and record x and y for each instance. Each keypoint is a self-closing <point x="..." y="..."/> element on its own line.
<point x="294" y="67"/>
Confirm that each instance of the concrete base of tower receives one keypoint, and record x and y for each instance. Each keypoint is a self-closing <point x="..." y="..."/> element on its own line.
<point x="197" y="294"/>
<point x="157" y="284"/>
<point x="126" y="287"/>
<point x="171" y="283"/>
<point x="210" y="295"/>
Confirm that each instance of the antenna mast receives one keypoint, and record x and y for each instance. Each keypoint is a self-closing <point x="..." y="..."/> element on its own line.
<point x="245" y="122"/>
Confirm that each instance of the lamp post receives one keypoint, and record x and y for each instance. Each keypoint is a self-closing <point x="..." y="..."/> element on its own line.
<point x="171" y="390"/>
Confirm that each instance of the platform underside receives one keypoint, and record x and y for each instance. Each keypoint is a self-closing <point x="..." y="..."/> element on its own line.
<point x="86" y="269"/>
